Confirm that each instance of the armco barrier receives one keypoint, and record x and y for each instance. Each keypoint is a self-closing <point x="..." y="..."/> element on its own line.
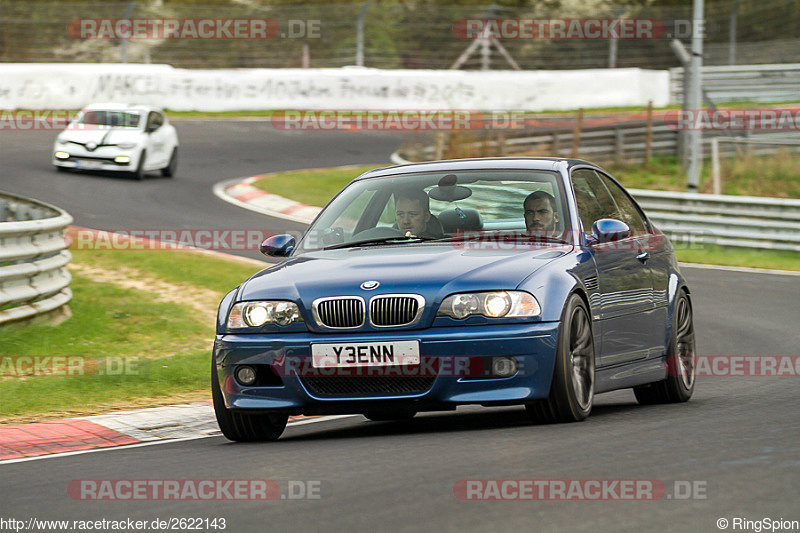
<point x="33" y="258"/>
<point x="741" y="221"/>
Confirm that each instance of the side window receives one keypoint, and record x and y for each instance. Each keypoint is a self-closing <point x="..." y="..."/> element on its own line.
<point x="154" y="120"/>
<point x="592" y="198"/>
<point x="630" y="214"/>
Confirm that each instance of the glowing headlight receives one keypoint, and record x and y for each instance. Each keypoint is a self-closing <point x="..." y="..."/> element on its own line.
<point x="127" y="146"/>
<point x="256" y="314"/>
<point x="495" y="304"/>
<point x="62" y="155"/>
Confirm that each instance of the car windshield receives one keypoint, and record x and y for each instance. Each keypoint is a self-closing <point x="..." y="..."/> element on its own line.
<point x="117" y="119"/>
<point x="442" y="206"/>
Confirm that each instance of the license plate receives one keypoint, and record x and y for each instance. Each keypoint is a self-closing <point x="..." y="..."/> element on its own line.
<point x="355" y="354"/>
<point x="89" y="165"/>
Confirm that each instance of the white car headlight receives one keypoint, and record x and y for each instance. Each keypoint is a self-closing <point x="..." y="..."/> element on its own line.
<point x="127" y="146"/>
<point x="256" y="314"/>
<point x="495" y="304"/>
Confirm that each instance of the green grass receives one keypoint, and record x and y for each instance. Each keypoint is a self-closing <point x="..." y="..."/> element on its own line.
<point x="178" y="267"/>
<point x="311" y="187"/>
<point x="166" y="343"/>
<point x="740" y="257"/>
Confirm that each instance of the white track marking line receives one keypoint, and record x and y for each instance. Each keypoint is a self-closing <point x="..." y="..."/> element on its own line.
<point x="749" y="270"/>
<point x="155" y="442"/>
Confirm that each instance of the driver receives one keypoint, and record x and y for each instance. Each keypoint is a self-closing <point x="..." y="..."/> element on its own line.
<point x="412" y="211"/>
<point x="540" y="212"/>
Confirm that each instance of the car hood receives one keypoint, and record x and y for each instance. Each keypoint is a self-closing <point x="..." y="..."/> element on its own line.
<point x="104" y="135"/>
<point x="430" y="270"/>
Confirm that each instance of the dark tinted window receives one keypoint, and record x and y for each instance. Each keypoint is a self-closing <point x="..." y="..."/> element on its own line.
<point x="630" y="214"/>
<point x="593" y="200"/>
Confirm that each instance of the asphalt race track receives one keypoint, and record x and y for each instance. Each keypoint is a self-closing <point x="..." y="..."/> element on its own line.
<point x="737" y="440"/>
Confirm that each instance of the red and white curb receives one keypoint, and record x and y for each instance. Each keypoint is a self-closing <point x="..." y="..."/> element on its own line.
<point x="240" y="192"/>
<point x="171" y="423"/>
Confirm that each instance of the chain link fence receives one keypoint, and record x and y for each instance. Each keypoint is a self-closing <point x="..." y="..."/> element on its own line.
<point x="415" y="34"/>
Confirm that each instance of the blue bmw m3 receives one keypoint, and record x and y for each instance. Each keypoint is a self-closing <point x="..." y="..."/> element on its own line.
<point x="528" y="281"/>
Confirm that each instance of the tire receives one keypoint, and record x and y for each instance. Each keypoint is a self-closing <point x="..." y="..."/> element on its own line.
<point x="169" y="170"/>
<point x="572" y="386"/>
<point x="390" y="416"/>
<point x="681" y="361"/>
<point x="241" y="427"/>
<point x="139" y="173"/>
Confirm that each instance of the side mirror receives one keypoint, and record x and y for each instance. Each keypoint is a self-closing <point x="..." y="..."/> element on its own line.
<point x="151" y="128"/>
<point x="278" y="246"/>
<point x="609" y="229"/>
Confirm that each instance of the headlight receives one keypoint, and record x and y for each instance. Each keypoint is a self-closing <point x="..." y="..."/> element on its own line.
<point x="127" y="146"/>
<point x="256" y="314"/>
<point x="495" y="304"/>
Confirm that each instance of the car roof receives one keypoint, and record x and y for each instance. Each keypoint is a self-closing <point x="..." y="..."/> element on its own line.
<point x="116" y="106"/>
<point x="483" y="163"/>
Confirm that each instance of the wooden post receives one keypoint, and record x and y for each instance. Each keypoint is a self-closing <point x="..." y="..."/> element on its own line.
<point x="648" y="137"/>
<point x="576" y="135"/>
<point x="619" y="145"/>
<point x="439" y="146"/>
<point x="501" y="143"/>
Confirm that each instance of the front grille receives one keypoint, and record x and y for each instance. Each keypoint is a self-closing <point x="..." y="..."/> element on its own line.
<point x="345" y="312"/>
<point x="367" y="386"/>
<point x="393" y="310"/>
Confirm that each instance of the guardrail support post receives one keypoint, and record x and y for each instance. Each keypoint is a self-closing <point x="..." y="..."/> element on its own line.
<point x="715" y="179"/>
<point x="576" y="136"/>
<point x="619" y="145"/>
<point x="648" y="137"/>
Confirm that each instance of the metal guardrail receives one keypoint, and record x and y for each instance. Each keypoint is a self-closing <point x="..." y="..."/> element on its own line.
<point x="751" y="83"/>
<point x="724" y="220"/>
<point x="624" y="142"/>
<point x="741" y="221"/>
<point x="33" y="258"/>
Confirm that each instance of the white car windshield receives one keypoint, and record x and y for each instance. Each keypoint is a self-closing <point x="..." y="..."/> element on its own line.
<point x="438" y="206"/>
<point x="116" y="119"/>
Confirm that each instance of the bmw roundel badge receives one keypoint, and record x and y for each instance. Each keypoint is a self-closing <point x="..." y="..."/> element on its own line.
<point x="369" y="285"/>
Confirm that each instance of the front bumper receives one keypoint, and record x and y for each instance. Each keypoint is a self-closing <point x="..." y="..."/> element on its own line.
<point x="533" y="345"/>
<point x="101" y="159"/>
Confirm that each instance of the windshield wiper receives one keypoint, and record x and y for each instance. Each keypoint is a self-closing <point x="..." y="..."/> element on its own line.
<point x="381" y="240"/>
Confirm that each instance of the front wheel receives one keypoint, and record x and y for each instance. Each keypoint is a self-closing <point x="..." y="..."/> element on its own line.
<point x="169" y="170"/>
<point x="243" y="427"/>
<point x="681" y="358"/>
<point x="572" y="387"/>
<point x="139" y="173"/>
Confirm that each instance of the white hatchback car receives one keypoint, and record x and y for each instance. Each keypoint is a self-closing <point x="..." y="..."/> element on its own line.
<point x="119" y="137"/>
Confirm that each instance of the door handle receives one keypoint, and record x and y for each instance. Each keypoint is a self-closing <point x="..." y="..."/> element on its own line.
<point x="643" y="256"/>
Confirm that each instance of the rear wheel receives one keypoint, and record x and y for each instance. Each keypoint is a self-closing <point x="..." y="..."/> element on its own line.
<point x="388" y="416"/>
<point x="572" y="386"/>
<point x="243" y="427"/>
<point x="169" y="170"/>
<point x="681" y="359"/>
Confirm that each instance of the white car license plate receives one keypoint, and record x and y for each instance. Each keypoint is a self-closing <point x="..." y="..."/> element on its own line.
<point x="89" y="165"/>
<point x="355" y="354"/>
